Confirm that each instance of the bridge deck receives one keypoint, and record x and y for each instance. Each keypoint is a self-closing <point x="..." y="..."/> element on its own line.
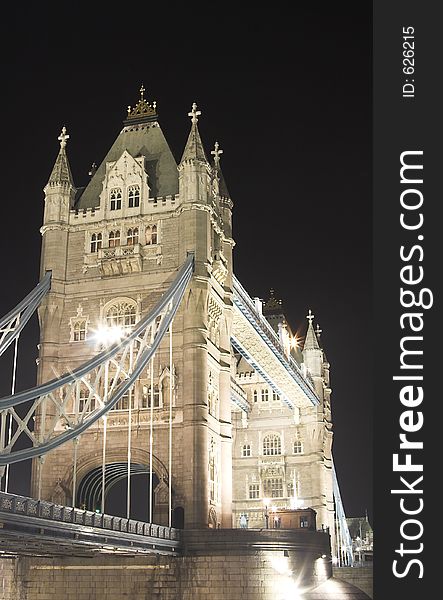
<point x="40" y="528"/>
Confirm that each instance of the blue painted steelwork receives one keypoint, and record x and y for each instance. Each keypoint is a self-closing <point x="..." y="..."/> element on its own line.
<point x="345" y="555"/>
<point x="238" y="396"/>
<point x="12" y="323"/>
<point x="171" y="298"/>
<point x="245" y="304"/>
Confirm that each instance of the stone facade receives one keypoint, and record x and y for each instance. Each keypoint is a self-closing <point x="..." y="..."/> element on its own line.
<point x="281" y="455"/>
<point x="113" y="248"/>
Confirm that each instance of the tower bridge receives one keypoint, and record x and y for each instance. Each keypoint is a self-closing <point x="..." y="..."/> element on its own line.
<point x="155" y="361"/>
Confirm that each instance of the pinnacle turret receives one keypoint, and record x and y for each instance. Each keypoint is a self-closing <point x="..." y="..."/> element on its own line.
<point x="222" y="187"/>
<point x="194" y="147"/>
<point x="61" y="171"/>
<point x="311" y="339"/>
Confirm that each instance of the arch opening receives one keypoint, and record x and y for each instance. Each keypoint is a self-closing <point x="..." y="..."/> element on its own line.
<point x="89" y="492"/>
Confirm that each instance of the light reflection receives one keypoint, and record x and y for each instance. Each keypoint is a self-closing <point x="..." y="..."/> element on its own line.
<point x="108" y="335"/>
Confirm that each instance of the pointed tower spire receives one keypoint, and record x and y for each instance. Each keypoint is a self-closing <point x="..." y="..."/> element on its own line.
<point x="194" y="147"/>
<point x="311" y="340"/>
<point x="222" y="187"/>
<point x="61" y="171"/>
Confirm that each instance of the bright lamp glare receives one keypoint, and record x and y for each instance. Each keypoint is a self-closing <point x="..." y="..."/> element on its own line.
<point x="108" y="335"/>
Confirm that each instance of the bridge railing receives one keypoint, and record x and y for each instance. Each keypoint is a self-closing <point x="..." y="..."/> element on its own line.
<point x="42" y="509"/>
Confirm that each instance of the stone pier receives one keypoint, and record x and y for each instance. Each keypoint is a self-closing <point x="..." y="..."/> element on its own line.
<point x="228" y="564"/>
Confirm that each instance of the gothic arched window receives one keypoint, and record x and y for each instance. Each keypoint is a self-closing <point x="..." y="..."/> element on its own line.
<point x="246" y="450"/>
<point x="132" y="236"/>
<point x="147" y="393"/>
<point x="272" y="445"/>
<point x="134" y="196"/>
<point x="151" y="234"/>
<point x="114" y="238"/>
<point x="86" y="400"/>
<point x="121" y="313"/>
<point x="128" y="396"/>
<point x="298" y="447"/>
<point x="79" y="330"/>
<point x="154" y="234"/>
<point x="96" y="242"/>
<point x="116" y="199"/>
<point x="265" y="395"/>
<point x="255" y="395"/>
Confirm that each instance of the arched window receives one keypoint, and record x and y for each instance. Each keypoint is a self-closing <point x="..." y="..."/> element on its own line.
<point x="273" y="487"/>
<point x="275" y="396"/>
<point x="147" y="394"/>
<point x="79" y="331"/>
<point x="114" y="238"/>
<point x="272" y="445"/>
<point x="116" y="199"/>
<point x="246" y="450"/>
<point x="264" y="395"/>
<point x="151" y="234"/>
<point x="121" y="313"/>
<point x="134" y="196"/>
<point x="96" y="242"/>
<point x="255" y="395"/>
<point x="132" y="236"/>
<point x="298" y="447"/>
<point x="128" y="396"/>
<point x="86" y="400"/>
<point x="254" y="491"/>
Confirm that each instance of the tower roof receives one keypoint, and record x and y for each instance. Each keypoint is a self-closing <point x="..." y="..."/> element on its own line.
<point x="311" y="341"/>
<point x="194" y="146"/>
<point x="61" y="171"/>
<point x="141" y="136"/>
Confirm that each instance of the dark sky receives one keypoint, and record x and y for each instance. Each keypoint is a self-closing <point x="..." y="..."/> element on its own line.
<point x="288" y="97"/>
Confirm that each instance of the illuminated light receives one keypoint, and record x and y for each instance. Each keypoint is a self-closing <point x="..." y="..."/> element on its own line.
<point x="108" y="335"/>
<point x="321" y="567"/>
<point x="295" y="503"/>
<point x="295" y="342"/>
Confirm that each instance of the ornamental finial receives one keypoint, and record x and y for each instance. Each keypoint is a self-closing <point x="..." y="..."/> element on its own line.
<point x="310" y="316"/>
<point x="63" y="137"/>
<point x="194" y="114"/>
<point x="216" y="152"/>
<point x="143" y="110"/>
<point x="318" y="330"/>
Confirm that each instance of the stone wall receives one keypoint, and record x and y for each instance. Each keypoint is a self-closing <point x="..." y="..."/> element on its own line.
<point x="222" y="564"/>
<point x="361" y="577"/>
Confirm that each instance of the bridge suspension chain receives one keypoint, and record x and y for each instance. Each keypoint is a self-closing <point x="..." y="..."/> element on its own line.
<point x="100" y="383"/>
<point x="14" y="321"/>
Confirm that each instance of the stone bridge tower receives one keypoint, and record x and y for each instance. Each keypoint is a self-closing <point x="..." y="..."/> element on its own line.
<point x="113" y="247"/>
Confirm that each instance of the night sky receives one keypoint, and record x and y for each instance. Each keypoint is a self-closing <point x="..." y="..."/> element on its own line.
<point x="289" y="100"/>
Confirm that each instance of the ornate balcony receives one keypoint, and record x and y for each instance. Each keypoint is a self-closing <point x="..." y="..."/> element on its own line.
<point x="120" y="260"/>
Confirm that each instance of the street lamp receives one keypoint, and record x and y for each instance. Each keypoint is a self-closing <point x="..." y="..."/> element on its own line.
<point x="266" y="503"/>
